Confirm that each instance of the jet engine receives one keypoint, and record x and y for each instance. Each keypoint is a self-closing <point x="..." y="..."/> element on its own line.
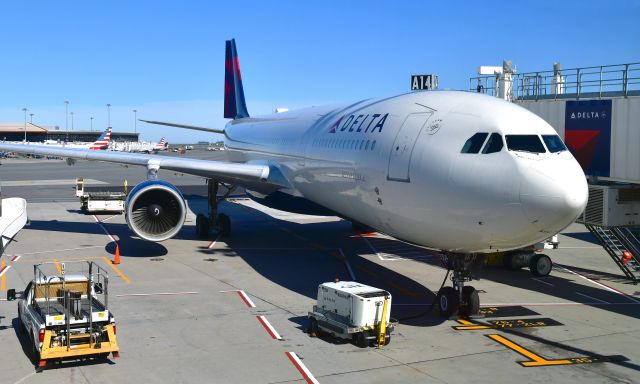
<point x="155" y="210"/>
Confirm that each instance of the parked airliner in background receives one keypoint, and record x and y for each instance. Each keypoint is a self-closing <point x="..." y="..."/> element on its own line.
<point x="101" y="144"/>
<point x="460" y="172"/>
<point x="140" y="146"/>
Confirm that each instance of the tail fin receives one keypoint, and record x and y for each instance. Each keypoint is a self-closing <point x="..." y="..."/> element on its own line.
<point x="234" y="104"/>
<point x="103" y="141"/>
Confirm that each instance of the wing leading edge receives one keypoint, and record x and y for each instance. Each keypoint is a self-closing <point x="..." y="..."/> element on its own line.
<point x="252" y="176"/>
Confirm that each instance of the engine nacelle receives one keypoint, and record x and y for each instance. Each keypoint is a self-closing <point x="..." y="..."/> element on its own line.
<point x="155" y="210"/>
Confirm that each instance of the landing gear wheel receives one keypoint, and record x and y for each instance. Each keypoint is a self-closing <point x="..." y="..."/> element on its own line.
<point x="361" y="339"/>
<point x="447" y="301"/>
<point x="202" y="226"/>
<point x="540" y="265"/>
<point x="314" y="330"/>
<point x="224" y="225"/>
<point x="472" y="300"/>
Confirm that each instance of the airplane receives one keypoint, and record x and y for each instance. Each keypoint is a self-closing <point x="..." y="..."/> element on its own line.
<point x="144" y="146"/>
<point x="100" y="145"/>
<point x="463" y="173"/>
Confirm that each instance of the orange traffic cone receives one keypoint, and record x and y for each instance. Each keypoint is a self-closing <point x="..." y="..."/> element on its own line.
<point x="116" y="260"/>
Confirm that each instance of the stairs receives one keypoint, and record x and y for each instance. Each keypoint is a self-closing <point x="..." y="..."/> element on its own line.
<point x="617" y="240"/>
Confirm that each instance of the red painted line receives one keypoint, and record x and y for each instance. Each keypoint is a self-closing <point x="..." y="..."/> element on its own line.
<point x="265" y="323"/>
<point x="4" y="270"/>
<point x="246" y="299"/>
<point x="295" y="360"/>
<point x="15" y="258"/>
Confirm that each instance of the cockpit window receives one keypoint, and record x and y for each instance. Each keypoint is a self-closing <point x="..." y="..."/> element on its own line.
<point x="525" y="143"/>
<point x="474" y="143"/>
<point x="553" y="143"/>
<point x="494" y="144"/>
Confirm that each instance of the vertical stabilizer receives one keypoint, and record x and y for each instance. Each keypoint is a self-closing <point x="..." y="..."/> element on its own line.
<point x="103" y="141"/>
<point x="234" y="104"/>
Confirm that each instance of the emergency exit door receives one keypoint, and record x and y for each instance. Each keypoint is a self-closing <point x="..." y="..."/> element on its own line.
<point x="400" y="158"/>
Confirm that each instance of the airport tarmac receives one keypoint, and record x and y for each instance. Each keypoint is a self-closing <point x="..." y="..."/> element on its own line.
<point x="234" y="310"/>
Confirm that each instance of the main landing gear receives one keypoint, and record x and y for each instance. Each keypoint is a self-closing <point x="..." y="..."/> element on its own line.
<point x="219" y="222"/>
<point x="460" y="300"/>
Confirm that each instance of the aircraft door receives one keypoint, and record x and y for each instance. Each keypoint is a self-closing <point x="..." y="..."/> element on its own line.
<point x="400" y="157"/>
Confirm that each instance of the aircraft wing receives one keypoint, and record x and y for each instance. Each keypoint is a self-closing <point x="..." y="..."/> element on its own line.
<point x="253" y="176"/>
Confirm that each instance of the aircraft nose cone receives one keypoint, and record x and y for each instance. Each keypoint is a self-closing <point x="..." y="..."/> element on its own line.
<point x="553" y="194"/>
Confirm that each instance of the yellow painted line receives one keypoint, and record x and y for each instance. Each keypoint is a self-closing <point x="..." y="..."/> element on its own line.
<point x="55" y="261"/>
<point x="365" y="270"/>
<point x="116" y="269"/>
<point x="470" y="326"/>
<point x="403" y="290"/>
<point x="3" y="282"/>
<point x="536" y="360"/>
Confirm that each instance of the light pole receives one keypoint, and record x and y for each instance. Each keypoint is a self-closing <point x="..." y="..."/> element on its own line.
<point x="25" y="123"/>
<point x="135" y="121"/>
<point x="31" y="121"/>
<point x="66" y="115"/>
<point x="72" y="120"/>
<point x="108" y="115"/>
<point x="91" y="123"/>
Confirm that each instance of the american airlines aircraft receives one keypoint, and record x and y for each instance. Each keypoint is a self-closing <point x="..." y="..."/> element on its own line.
<point x="460" y="172"/>
<point x="100" y="145"/>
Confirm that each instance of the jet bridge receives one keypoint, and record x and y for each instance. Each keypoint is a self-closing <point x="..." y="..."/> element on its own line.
<point x="596" y="111"/>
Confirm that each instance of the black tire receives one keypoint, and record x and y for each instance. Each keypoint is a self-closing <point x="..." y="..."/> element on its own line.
<point x="314" y="330"/>
<point x="361" y="339"/>
<point x="540" y="265"/>
<point x="470" y="296"/>
<point x="447" y="302"/>
<point x="224" y="225"/>
<point x="202" y="226"/>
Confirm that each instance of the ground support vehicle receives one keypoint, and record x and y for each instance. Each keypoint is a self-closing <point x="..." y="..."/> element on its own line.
<point x="353" y="311"/>
<point x="99" y="201"/>
<point x="66" y="315"/>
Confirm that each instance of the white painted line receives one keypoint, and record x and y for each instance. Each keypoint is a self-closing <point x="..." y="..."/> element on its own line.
<point x="592" y="298"/>
<point x="486" y="305"/>
<point x="594" y="247"/>
<point x="350" y="270"/>
<point x="109" y="218"/>
<point x="157" y="294"/>
<point x="372" y="248"/>
<point x="103" y="228"/>
<point x="301" y="368"/>
<point x="15" y="258"/>
<point x="61" y="250"/>
<point x="213" y="243"/>
<point x="267" y="325"/>
<point x="542" y="281"/>
<point x="4" y="270"/>
<point x="608" y="288"/>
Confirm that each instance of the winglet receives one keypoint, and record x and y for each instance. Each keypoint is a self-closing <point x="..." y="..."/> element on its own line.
<point x="234" y="104"/>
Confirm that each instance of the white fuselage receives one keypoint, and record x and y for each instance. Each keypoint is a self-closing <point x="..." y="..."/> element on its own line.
<point x="396" y="165"/>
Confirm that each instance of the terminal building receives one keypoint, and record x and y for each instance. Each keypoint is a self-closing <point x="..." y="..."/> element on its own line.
<point x="40" y="133"/>
<point x="596" y="110"/>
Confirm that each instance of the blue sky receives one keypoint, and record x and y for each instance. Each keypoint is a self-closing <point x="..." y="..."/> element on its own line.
<point x="165" y="59"/>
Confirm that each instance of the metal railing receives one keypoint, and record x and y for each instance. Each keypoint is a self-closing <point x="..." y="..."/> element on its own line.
<point x="620" y="80"/>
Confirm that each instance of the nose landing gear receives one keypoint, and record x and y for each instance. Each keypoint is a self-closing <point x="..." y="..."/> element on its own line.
<point x="460" y="300"/>
<point x="214" y="220"/>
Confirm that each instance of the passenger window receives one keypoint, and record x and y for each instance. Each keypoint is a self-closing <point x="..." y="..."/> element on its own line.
<point x="553" y="143"/>
<point x="525" y="143"/>
<point x="474" y="144"/>
<point x="494" y="144"/>
<point x="366" y="147"/>
<point x="373" y="145"/>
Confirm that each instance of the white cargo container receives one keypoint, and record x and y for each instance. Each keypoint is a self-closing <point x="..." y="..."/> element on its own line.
<point x="350" y="310"/>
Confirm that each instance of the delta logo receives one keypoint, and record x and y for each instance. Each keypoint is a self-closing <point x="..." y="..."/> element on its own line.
<point x="360" y="123"/>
